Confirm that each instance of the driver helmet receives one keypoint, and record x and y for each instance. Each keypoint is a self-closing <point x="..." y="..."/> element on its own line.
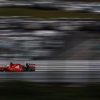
<point x="11" y="63"/>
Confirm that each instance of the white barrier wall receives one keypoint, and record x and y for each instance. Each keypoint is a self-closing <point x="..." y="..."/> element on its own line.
<point x="56" y="71"/>
<point x="61" y="65"/>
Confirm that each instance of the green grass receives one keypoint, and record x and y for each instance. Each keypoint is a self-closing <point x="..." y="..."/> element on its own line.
<point x="30" y="91"/>
<point x="43" y="13"/>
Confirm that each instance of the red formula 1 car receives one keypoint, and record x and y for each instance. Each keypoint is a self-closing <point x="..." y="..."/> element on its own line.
<point x="17" y="68"/>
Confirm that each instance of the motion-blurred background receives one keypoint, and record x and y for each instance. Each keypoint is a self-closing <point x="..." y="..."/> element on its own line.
<point x="62" y="37"/>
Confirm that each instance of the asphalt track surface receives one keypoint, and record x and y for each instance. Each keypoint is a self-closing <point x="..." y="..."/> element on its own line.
<point x="57" y="71"/>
